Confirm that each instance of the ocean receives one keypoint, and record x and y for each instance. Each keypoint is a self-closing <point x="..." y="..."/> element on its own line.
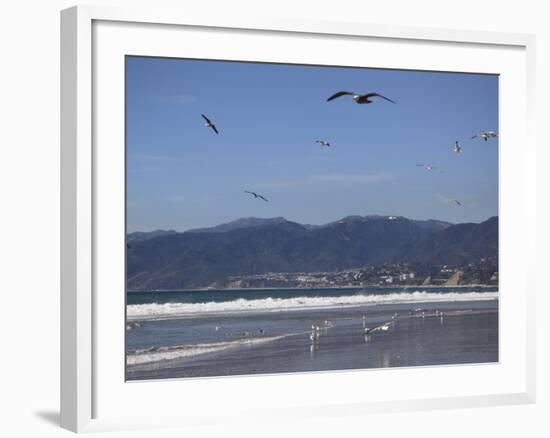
<point x="180" y="334"/>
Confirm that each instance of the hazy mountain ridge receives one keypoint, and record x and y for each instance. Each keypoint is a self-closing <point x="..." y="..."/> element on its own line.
<point x="139" y="236"/>
<point x="246" y="222"/>
<point x="255" y="246"/>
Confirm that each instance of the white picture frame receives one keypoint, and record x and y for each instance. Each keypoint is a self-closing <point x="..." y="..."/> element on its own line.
<point x="93" y="397"/>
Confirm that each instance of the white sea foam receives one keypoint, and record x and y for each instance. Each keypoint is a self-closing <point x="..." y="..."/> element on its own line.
<point x="159" y="354"/>
<point x="176" y="310"/>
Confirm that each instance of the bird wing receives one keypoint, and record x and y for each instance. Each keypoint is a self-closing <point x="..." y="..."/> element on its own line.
<point x="260" y="196"/>
<point x="457" y="202"/>
<point x="340" y="94"/>
<point x="214" y="128"/>
<point x="420" y="165"/>
<point x="474" y="136"/>
<point x="206" y="118"/>
<point x="379" y="95"/>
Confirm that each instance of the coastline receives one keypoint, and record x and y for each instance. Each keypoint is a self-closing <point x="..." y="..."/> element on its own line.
<point x="225" y="344"/>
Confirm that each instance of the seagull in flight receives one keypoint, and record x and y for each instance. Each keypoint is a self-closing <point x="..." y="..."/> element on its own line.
<point x="454" y="201"/>
<point x="323" y="142"/>
<point x="485" y="135"/>
<point x="359" y="98"/>
<point x="256" y="195"/>
<point x="428" y="167"/>
<point x="458" y="148"/>
<point x="209" y="124"/>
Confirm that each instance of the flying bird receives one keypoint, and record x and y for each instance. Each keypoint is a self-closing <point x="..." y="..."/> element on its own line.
<point x="359" y="98"/>
<point x="323" y="142"/>
<point x="209" y="124"/>
<point x="453" y="201"/>
<point x="428" y="167"/>
<point x="457" y="148"/>
<point x="485" y="135"/>
<point x="256" y="195"/>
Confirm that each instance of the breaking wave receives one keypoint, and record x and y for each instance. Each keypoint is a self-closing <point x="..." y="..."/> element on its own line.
<point x="176" y="310"/>
<point x="158" y="354"/>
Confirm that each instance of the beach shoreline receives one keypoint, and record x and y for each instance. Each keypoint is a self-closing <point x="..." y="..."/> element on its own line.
<point x="443" y="333"/>
<point x="172" y="305"/>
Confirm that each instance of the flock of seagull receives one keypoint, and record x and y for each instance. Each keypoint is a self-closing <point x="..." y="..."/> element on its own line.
<point x="485" y="135"/>
<point x="318" y="329"/>
<point x="321" y="328"/>
<point x="366" y="99"/>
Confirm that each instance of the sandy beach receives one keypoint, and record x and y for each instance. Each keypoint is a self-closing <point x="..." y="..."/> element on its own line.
<point x="439" y="333"/>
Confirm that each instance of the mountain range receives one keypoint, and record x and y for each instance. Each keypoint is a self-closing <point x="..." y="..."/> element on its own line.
<point x="250" y="246"/>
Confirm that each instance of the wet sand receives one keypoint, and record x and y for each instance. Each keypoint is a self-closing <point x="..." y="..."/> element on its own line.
<point x="466" y="333"/>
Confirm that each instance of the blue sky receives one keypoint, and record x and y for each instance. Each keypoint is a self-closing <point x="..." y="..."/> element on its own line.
<point x="181" y="175"/>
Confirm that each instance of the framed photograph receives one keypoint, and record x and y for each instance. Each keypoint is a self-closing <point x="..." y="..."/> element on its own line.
<point x="282" y="217"/>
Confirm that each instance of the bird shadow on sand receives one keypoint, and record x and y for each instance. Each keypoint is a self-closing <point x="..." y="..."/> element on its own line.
<point x="51" y="417"/>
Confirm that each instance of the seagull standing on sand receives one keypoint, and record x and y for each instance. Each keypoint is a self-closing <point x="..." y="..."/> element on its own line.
<point x="314" y="333"/>
<point x="209" y="124"/>
<point x="485" y="135"/>
<point x="323" y="143"/>
<point x="256" y="195"/>
<point x="458" y="148"/>
<point x="358" y="98"/>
